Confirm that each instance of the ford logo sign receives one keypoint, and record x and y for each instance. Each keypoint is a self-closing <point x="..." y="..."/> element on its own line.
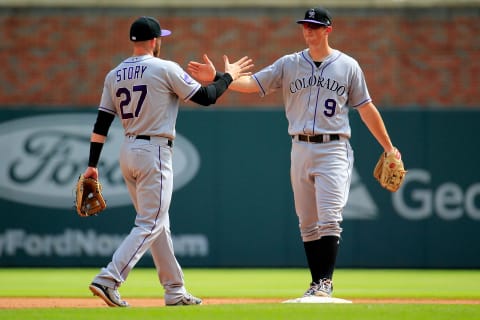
<point x="42" y="157"/>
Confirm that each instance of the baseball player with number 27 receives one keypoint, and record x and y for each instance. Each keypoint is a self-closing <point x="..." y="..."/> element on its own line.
<point x="144" y="91"/>
<point x="319" y="85"/>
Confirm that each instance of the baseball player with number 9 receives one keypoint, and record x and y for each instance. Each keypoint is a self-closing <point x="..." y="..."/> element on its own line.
<point x="319" y="86"/>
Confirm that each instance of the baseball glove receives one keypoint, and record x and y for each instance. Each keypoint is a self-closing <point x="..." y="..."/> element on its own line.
<point x="390" y="171"/>
<point x="89" y="200"/>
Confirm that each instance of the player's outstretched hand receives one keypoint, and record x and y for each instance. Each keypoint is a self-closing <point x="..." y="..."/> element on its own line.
<point x="202" y="71"/>
<point x="239" y="68"/>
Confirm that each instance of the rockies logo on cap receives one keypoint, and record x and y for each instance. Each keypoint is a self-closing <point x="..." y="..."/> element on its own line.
<point x="317" y="16"/>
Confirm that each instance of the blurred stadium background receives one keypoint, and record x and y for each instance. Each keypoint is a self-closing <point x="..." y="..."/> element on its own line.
<point x="422" y="53"/>
<point x="234" y="208"/>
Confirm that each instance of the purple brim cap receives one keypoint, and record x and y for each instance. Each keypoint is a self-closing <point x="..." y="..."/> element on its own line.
<point x="165" y="33"/>
<point x="312" y="21"/>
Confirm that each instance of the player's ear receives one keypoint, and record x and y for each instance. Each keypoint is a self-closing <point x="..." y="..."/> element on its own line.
<point x="155" y="44"/>
<point x="329" y="29"/>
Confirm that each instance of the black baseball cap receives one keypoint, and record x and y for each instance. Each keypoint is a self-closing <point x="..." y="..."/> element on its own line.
<point x="146" y="28"/>
<point x="317" y="15"/>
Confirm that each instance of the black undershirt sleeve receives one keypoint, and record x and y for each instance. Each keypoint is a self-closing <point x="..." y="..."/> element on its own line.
<point x="103" y="123"/>
<point x="209" y="94"/>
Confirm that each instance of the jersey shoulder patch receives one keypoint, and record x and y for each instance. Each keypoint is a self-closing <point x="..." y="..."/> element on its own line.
<point x="186" y="77"/>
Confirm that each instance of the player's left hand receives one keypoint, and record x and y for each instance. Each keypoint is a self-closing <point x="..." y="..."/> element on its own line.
<point x="91" y="172"/>
<point x="89" y="200"/>
<point x="202" y="71"/>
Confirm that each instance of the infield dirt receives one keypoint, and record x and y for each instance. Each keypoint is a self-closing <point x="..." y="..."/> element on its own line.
<point x="25" y="303"/>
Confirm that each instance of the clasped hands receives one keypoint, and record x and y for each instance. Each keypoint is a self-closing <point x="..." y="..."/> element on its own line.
<point x="206" y="71"/>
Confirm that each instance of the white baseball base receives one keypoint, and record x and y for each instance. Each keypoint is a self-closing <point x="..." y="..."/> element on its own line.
<point x="314" y="299"/>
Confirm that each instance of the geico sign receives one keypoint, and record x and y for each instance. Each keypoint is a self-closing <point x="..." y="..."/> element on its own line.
<point x="417" y="199"/>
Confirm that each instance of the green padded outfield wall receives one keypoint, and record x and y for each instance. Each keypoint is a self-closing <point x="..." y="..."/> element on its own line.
<point x="232" y="204"/>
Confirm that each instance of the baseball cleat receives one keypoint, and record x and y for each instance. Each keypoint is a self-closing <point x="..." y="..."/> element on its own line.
<point x="322" y="289"/>
<point x="109" y="295"/>
<point x="186" y="300"/>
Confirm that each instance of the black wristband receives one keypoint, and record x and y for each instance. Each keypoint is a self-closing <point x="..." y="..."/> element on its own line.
<point x="95" y="150"/>
<point x="218" y="74"/>
<point x="227" y="78"/>
<point x="208" y="95"/>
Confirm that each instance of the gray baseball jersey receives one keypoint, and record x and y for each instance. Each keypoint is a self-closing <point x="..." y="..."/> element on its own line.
<point x="317" y="101"/>
<point x="150" y="86"/>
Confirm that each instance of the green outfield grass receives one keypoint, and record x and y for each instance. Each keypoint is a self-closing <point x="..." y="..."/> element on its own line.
<point x="281" y="284"/>
<point x="259" y="312"/>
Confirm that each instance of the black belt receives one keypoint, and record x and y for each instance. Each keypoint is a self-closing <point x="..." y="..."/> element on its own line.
<point x="319" y="138"/>
<point x="143" y="137"/>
